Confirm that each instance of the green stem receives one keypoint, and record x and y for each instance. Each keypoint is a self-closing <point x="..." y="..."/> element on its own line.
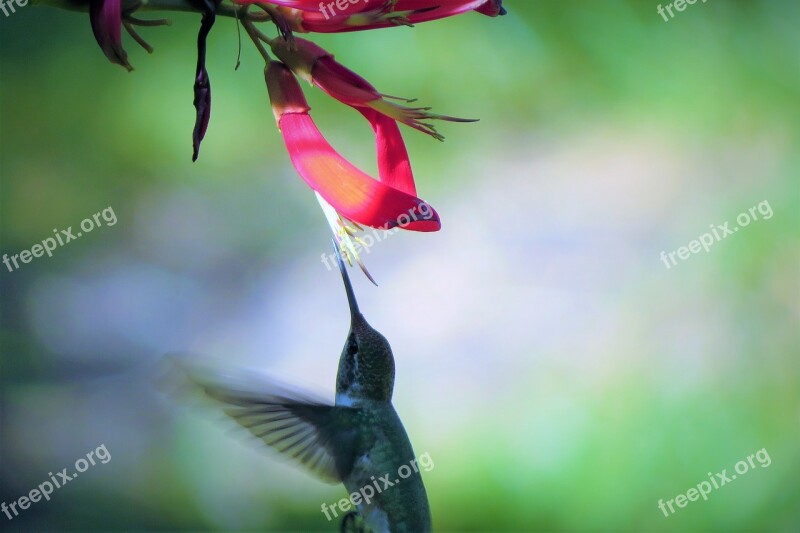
<point x="256" y="36"/>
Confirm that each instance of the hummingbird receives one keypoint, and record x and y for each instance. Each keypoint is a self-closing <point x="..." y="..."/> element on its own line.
<point x="359" y="440"/>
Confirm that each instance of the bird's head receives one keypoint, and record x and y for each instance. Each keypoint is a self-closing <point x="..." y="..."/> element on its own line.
<point x="366" y="367"/>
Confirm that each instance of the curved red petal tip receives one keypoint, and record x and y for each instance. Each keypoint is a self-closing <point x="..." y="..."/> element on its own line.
<point x="492" y="8"/>
<point x="350" y="191"/>
<point x="106" y="19"/>
<point x="427" y="219"/>
<point x="354" y="194"/>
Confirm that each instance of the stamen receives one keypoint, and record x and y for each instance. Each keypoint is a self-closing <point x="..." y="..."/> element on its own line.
<point x="136" y="37"/>
<point x="129" y="21"/>
<point x="388" y="6"/>
<point x="148" y="23"/>
<point x="406" y="100"/>
<point x="282" y="25"/>
<point x="344" y="235"/>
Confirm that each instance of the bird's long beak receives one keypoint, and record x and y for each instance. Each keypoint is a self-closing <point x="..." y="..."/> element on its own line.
<point x="348" y="287"/>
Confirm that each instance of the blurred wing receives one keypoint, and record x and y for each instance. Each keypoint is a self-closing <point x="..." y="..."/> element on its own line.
<point x="315" y="434"/>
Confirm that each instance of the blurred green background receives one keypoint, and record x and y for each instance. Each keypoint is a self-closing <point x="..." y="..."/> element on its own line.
<point x="560" y="377"/>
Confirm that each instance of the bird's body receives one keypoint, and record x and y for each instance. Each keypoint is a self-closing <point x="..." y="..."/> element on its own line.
<point x="388" y="464"/>
<point x="365" y="382"/>
<point x="359" y="441"/>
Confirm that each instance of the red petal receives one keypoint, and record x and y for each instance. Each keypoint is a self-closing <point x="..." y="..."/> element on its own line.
<point x="394" y="166"/>
<point x="316" y="6"/>
<point x="106" y="19"/>
<point x="389" y="203"/>
<point x="418" y="11"/>
<point x="341" y="83"/>
<point x="350" y="191"/>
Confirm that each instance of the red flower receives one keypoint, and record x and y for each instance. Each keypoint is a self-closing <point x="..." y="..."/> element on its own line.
<point x="106" y="19"/>
<point x="493" y="8"/>
<point x="305" y="16"/>
<point x="318" y="66"/>
<point x="388" y="203"/>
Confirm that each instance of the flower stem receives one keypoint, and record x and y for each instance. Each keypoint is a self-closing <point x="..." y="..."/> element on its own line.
<point x="224" y="9"/>
<point x="181" y="6"/>
<point x="257" y="38"/>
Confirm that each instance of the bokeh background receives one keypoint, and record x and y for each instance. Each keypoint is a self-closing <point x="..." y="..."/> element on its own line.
<point x="560" y="377"/>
